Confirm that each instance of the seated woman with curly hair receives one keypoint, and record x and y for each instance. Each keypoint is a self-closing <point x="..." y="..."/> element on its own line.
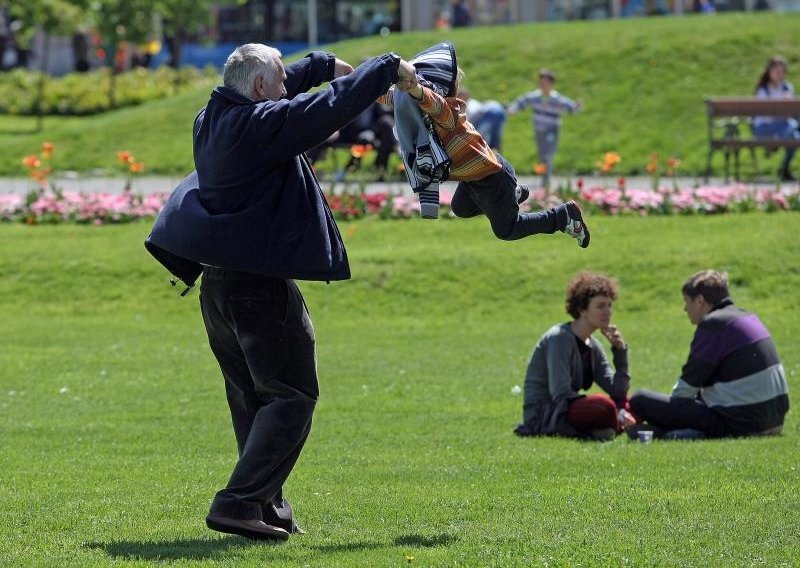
<point x="568" y="360"/>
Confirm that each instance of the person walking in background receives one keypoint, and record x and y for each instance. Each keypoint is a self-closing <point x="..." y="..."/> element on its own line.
<point x="773" y="85"/>
<point x="568" y="360"/>
<point x="733" y="383"/>
<point x="548" y="105"/>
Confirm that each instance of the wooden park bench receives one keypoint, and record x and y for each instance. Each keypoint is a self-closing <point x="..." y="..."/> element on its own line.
<point x="724" y="118"/>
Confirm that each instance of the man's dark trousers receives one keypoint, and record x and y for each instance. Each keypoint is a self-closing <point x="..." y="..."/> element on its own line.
<point x="665" y="412"/>
<point x="261" y="334"/>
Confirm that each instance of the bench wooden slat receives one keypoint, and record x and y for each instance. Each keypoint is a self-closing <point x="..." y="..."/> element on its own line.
<point x="726" y="136"/>
<point x="752" y="107"/>
<point x="769" y="143"/>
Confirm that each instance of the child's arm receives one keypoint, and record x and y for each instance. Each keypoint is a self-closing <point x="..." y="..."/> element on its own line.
<point x="521" y="102"/>
<point x="568" y="104"/>
<point x="435" y="106"/>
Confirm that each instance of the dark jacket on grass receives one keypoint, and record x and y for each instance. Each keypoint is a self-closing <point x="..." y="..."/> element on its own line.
<point x="734" y="367"/>
<point x="254" y="204"/>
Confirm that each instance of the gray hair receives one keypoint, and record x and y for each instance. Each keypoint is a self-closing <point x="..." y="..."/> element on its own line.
<point x="247" y="62"/>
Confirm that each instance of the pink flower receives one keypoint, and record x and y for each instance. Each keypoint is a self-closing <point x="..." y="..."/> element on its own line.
<point x="405" y="206"/>
<point x="445" y="198"/>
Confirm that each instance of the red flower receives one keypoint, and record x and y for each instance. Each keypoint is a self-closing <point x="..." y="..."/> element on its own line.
<point x="359" y="150"/>
<point x="31" y="161"/>
<point x="125" y="157"/>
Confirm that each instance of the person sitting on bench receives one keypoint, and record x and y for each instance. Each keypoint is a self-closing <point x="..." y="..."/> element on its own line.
<point x="374" y="127"/>
<point x="773" y="85"/>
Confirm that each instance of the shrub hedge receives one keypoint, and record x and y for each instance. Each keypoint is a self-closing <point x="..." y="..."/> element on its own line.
<point x="88" y="93"/>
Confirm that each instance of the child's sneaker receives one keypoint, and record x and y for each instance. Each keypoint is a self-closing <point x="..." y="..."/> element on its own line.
<point x="523" y="193"/>
<point x="575" y="226"/>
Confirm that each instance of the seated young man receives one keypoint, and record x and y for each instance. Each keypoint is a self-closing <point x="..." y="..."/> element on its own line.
<point x="733" y="383"/>
<point x="568" y="360"/>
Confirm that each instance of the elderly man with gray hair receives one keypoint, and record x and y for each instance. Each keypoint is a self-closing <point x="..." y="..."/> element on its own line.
<point x="252" y="219"/>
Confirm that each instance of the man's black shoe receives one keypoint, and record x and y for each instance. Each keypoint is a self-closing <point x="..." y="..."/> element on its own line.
<point x="255" y="529"/>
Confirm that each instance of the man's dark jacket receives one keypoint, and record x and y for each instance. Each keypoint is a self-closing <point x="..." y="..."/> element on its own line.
<point x="253" y="204"/>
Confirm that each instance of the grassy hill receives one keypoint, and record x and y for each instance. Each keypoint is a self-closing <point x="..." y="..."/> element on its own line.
<point x="116" y="433"/>
<point x="642" y="82"/>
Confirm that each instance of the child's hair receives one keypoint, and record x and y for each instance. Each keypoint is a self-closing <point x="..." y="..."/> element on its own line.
<point x="459" y="78"/>
<point x="710" y="284"/>
<point x="545" y="72"/>
<point x="585" y="286"/>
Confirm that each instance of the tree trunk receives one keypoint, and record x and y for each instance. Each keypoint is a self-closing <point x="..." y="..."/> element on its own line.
<point x="112" y="87"/>
<point x="111" y="60"/>
<point x="41" y="85"/>
<point x="173" y="42"/>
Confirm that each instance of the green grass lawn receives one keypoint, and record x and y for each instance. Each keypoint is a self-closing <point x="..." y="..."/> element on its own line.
<point x="116" y="435"/>
<point x="642" y="82"/>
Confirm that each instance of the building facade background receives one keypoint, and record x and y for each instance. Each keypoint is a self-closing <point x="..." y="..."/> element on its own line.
<point x="296" y="25"/>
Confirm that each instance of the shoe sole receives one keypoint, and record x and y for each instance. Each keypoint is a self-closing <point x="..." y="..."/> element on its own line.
<point x="574" y="207"/>
<point x="247" y="533"/>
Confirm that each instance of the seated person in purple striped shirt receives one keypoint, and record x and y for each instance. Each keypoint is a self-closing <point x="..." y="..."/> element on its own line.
<point x="733" y="383"/>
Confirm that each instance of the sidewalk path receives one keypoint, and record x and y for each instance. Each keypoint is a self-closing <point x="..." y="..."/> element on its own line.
<point x="156" y="184"/>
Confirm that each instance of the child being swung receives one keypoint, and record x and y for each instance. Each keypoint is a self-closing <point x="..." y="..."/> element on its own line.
<point x="487" y="182"/>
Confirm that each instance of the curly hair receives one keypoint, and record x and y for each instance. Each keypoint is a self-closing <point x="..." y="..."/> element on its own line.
<point x="585" y="286"/>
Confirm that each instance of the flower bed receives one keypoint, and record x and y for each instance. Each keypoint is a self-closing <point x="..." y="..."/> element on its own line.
<point x="71" y="206"/>
<point x="104" y="208"/>
<point x="607" y="200"/>
<point x="704" y="199"/>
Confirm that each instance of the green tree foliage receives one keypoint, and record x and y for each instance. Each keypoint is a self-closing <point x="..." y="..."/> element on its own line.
<point x="181" y="17"/>
<point x="123" y="20"/>
<point x="52" y="16"/>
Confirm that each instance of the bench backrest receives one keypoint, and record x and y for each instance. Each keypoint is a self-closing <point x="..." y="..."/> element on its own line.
<point x="751" y="106"/>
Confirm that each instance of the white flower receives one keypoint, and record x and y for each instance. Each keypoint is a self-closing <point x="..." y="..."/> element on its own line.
<point x="516" y="389"/>
<point x="64" y="390"/>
